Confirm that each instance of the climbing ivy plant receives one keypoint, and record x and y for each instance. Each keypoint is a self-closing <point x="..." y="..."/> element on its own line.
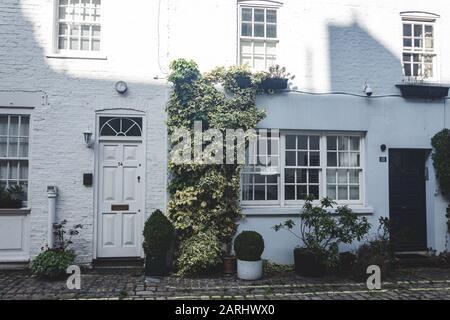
<point x="441" y="161"/>
<point x="204" y="199"/>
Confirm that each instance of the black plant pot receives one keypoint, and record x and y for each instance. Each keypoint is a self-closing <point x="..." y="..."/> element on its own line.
<point x="244" y="82"/>
<point x="307" y="264"/>
<point x="156" y="265"/>
<point x="274" y="84"/>
<point x="11" y="204"/>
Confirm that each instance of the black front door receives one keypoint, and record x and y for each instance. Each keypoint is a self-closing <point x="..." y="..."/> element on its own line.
<point x="407" y="202"/>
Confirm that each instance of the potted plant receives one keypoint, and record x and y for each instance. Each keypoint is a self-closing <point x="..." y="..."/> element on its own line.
<point x="229" y="261"/>
<point x="11" y="198"/>
<point x="321" y="233"/>
<point x="52" y="263"/>
<point x="277" y="79"/>
<point x="158" y="237"/>
<point x="249" y="246"/>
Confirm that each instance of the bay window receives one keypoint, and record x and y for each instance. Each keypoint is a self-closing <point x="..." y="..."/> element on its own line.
<point x="317" y="165"/>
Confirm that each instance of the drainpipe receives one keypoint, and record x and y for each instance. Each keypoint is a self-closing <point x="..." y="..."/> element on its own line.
<point x="52" y="194"/>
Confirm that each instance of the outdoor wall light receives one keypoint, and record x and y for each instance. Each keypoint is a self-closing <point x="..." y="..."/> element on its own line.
<point x="88" y="138"/>
<point x="368" y="90"/>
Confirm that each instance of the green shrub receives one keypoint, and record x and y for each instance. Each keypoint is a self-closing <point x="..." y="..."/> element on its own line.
<point x="158" y="234"/>
<point x="321" y="232"/>
<point x="52" y="264"/>
<point x="249" y="246"/>
<point x="200" y="254"/>
<point x="183" y="71"/>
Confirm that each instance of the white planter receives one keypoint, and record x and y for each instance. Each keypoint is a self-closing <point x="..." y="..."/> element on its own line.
<point x="249" y="270"/>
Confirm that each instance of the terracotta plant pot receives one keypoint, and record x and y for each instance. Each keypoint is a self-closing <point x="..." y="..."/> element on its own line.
<point x="229" y="265"/>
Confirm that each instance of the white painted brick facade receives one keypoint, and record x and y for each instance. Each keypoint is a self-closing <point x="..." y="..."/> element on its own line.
<point x="330" y="45"/>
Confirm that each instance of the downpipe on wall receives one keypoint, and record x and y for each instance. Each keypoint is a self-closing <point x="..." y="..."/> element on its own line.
<point x="52" y="194"/>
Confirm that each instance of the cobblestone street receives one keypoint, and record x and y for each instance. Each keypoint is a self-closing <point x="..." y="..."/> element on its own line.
<point x="409" y="284"/>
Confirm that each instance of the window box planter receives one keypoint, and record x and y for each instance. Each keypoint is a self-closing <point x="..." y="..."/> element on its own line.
<point x="308" y="264"/>
<point x="10" y="204"/>
<point x="423" y="90"/>
<point x="243" y="82"/>
<point x="274" y="84"/>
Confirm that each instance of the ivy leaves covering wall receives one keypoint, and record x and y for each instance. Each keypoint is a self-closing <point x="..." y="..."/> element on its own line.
<point x="204" y="203"/>
<point x="441" y="161"/>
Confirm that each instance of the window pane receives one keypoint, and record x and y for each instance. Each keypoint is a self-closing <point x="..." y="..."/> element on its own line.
<point x="302" y="192"/>
<point x="63" y="29"/>
<point x="314" y="192"/>
<point x="354" y="160"/>
<point x="354" y="143"/>
<point x="302" y="142"/>
<point x="246" y="14"/>
<point x="95" y="45"/>
<point x="313" y="176"/>
<point x="246" y="29"/>
<point x="3" y="170"/>
<point x="3" y="147"/>
<point x="271" y="31"/>
<point x="63" y="13"/>
<point x="332" y="159"/>
<point x="429" y="31"/>
<point x="85" y="31"/>
<point x="75" y="30"/>
<point x="354" y="176"/>
<point x="289" y="192"/>
<point x="271" y="16"/>
<point x="96" y="31"/>
<point x="272" y="192"/>
<point x="260" y="178"/>
<point x="290" y="158"/>
<point x="13" y="147"/>
<point x="342" y="193"/>
<point x="314" y="159"/>
<point x="302" y="160"/>
<point x="331" y="192"/>
<point x="407" y="43"/>
<point x="289" y="176"/>
<point x="302" y="175"/>
<point x="331" y="143"/>
<point x="85" y="44"/>
<point x="23" y="170"/>
<point x="342" y="177"/>
<point x="331" y="176"/>
<point x="407" y="30"/>
<point x="259" y="30"/>
<point x="24" y="126"/>
<point x="259" y="15"/>
<point x="260" y="193"/>
<point x="343" y="159"/>
<point x="343" y="143"/>
<point x="74" y="43"/>
<point x="272" y="179"/>
<point x="290" y="142"/>
<point x="62" y="43"/>
<point x="418" y="29"/>
<point x="23" y="147"/>
<point x="314" y="143"/>
<point x="247" y="192"/>
<point x="14" y="126"/>
<point x="407" y="68"/>
<point x="354" y="193"/>
<point x="3" y="125"/>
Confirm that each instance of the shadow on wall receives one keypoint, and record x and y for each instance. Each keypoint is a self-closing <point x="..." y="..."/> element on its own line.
<point x="58" y="153"/>
<point x="356" y="58"/>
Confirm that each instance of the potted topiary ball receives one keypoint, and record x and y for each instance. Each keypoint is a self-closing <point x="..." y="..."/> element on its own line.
<point x="249" y="246"/>
<point x="158" y="237"/>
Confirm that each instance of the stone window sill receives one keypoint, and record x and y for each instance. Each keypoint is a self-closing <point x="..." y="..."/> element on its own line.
<point x="76" y="56"/>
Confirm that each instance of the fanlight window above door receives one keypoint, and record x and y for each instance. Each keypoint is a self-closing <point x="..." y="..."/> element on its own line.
<point x="120" y="127"/>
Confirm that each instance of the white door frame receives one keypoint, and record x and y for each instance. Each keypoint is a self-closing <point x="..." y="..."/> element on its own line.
<point x="121" y="112"/>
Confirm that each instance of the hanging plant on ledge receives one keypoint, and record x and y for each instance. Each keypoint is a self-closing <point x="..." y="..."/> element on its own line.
<point x="204" y="199"/>
<point x="441" y="162"/>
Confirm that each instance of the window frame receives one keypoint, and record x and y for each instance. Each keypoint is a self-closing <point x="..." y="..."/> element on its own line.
<point x="269" y="5"/>
<point x="55" y="52"/>
<point x="281" y="202"/>
<point x="25" y="112"/>
<point x="423" y="19"/>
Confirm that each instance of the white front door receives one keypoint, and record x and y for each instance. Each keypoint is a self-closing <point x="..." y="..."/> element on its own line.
<point x="120" y="199"/>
